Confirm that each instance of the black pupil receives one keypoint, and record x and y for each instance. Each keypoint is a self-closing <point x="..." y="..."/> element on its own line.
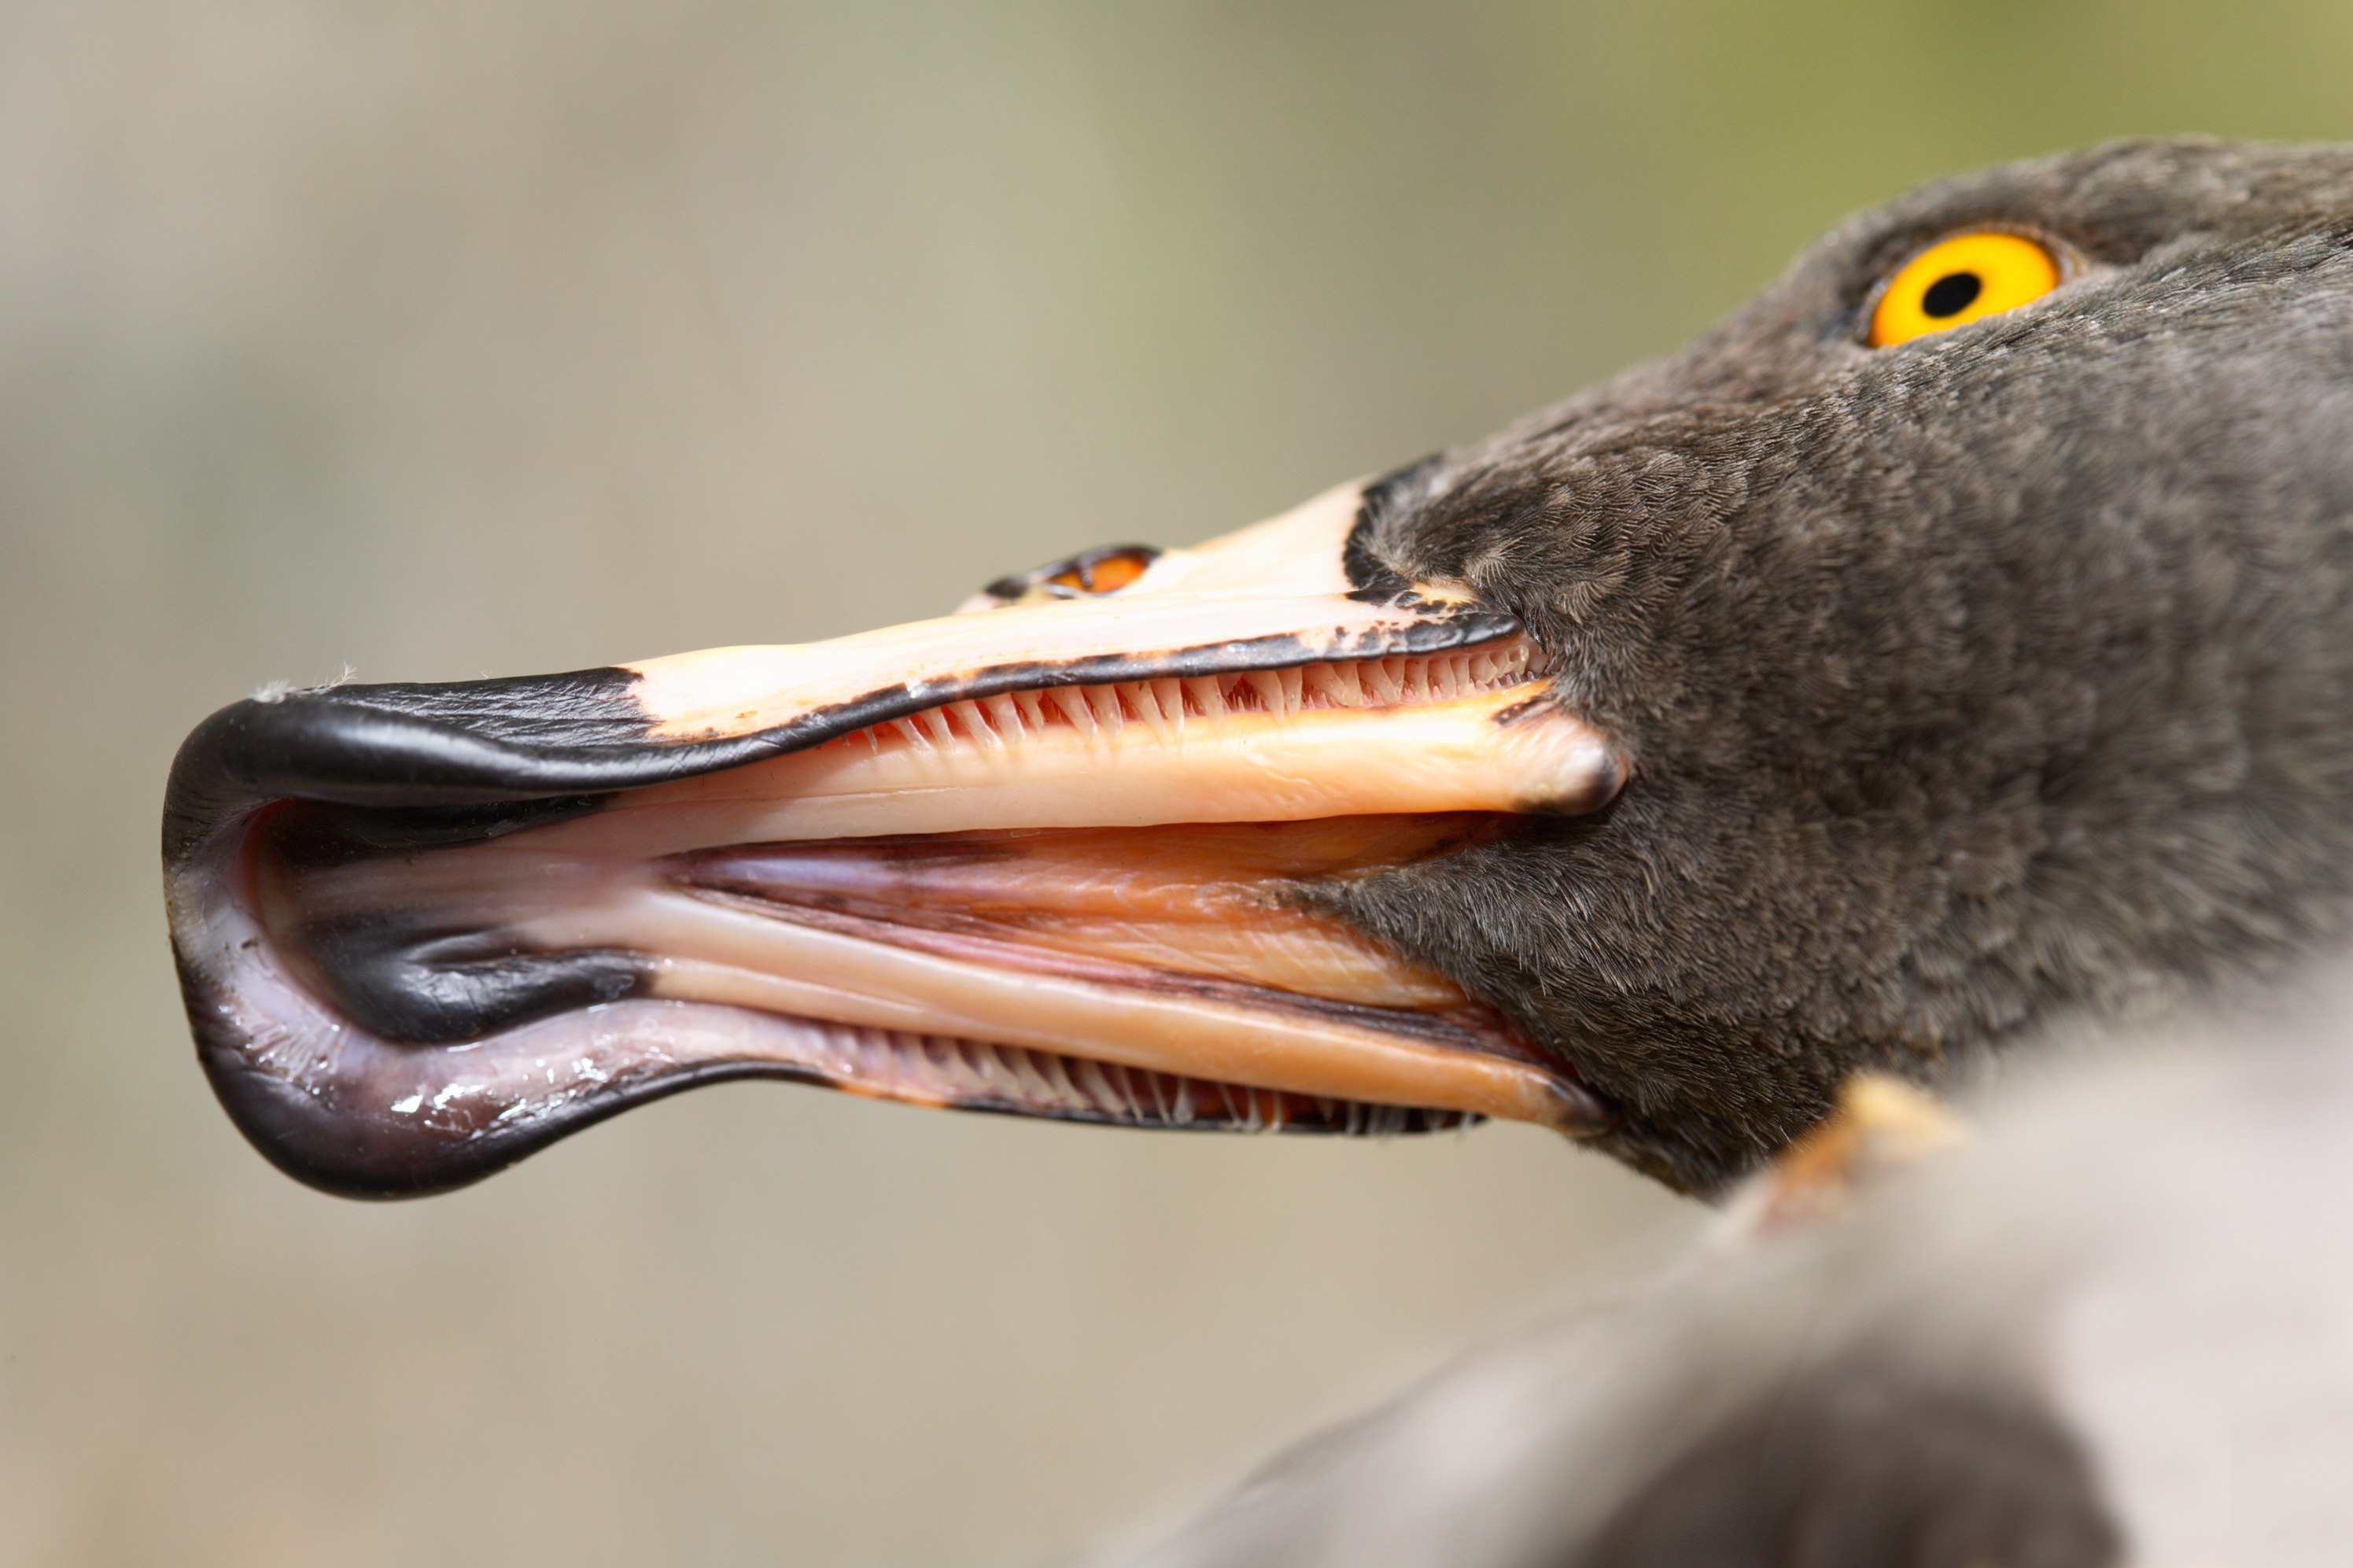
<point x="1951" y="294"/>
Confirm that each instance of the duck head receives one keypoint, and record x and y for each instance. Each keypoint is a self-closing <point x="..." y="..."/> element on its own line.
<point x="1959" y="634"/>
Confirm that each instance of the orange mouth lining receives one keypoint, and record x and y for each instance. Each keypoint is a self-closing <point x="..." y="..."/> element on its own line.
<point x="1162" y="976"/>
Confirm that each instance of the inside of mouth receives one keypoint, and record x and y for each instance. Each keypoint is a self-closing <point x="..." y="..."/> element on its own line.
<point x="1452" y="731"/>
<point x="1089" y="902"/>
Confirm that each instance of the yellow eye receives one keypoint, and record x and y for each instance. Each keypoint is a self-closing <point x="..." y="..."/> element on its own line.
<point x="1960" y="280"/>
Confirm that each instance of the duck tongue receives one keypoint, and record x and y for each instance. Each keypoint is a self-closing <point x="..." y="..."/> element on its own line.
<point x="1060" y="857"/>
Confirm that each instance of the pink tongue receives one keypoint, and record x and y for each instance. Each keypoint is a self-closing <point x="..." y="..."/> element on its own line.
<point x="1206" y="902"/>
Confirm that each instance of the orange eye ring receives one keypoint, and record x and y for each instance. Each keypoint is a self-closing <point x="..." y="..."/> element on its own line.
<point x="1962" y="279"/>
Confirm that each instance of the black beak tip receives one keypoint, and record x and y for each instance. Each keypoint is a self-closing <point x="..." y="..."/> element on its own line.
<point x="375" y="1152"/>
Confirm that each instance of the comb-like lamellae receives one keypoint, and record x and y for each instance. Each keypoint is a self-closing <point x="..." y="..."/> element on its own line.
<point x="970" y="1074"/>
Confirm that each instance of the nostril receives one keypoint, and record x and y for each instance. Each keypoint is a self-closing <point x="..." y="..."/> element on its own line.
<point x="1107" y="570"/>
<point x="1104" y="573"/>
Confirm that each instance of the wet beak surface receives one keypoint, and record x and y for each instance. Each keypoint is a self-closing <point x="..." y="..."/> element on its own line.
<point x="1054" y="856"/>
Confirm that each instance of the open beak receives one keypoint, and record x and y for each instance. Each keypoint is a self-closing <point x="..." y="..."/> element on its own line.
<point x="1056" y="856"/>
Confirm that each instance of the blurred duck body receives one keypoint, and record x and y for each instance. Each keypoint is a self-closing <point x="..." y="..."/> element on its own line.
<point x="2099" y="1321"/>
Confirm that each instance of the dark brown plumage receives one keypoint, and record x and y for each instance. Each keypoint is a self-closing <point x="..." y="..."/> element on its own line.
<point x="2005" y="672"/>
<point x="1973" y="684"/>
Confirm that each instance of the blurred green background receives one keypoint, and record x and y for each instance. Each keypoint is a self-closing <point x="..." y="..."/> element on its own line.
<point x="445" y="339"/>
